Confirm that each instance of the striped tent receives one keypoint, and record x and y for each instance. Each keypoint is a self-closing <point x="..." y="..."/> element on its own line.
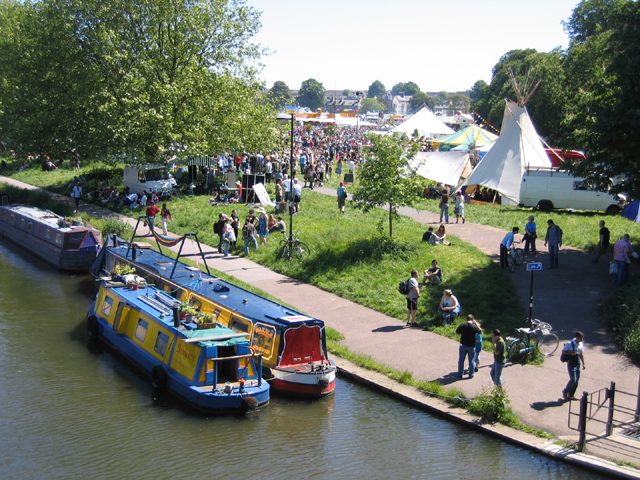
<point x="470" y="137"/>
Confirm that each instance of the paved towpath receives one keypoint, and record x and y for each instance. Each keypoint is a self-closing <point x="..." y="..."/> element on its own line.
<point x="568" y="298"/>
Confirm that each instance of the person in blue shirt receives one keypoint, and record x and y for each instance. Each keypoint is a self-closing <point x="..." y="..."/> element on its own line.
<point x="505" y="246"/>
<point x="530" y="236"/>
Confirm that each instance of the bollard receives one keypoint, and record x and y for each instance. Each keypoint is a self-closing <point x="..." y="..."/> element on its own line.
<point x="611" y="393"/>
<point x="582" y="425"/>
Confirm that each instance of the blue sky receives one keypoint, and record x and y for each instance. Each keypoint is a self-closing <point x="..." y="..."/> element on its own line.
<point x="438" y="44"/>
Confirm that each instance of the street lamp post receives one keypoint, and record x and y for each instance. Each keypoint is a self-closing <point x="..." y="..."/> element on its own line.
<point x="283" y="119"/>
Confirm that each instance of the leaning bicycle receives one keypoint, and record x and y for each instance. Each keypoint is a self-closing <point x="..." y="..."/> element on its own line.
<point x="537" y="338"/>
<point x="515" y="257"/>
<point x="291" y="247"/>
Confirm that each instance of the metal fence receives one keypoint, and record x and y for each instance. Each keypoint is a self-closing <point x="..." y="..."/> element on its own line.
<point x="604" y="410"/>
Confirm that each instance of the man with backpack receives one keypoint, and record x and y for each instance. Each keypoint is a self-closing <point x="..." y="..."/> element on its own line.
<point x="249" y="235"/>
<point x="573" y="354"/>
<point x="412" y="299"/>
<point x="554" y="240"/>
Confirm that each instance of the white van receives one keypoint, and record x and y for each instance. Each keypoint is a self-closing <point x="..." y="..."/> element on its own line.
<point x="547" y="188"/>
<point x="145" y="177"/>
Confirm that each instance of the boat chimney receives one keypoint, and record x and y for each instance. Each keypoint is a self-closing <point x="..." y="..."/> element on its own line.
<point x="114" y="239"/>
<point x="133" y="252"/>
<point x="176" y="315"/>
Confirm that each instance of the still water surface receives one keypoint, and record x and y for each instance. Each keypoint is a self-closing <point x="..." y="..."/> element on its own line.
<point x="70" y="410"/>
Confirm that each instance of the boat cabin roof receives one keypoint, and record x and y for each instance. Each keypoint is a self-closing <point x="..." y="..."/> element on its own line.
<point x="233" y="297"/>
<point x="157" y="304"/>
<point x="46" y="217"/>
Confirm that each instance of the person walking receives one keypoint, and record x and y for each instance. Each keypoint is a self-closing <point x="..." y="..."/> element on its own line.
<point x="165" y="213"/>
<point x="249" y="235"/>
<point x="575" y="350"/>
<point x="622" y="253"/>
<point x="459" y="206"/>
<point x="467" y="332"/>
<point x="229" y="237"/>
<point x="603" y="242"/>
<point x="152" y="211"/>
<point x="219" y="228"/>
<point x="554" y="240"/>
<point x="342" y="196"/>
<point x="479" y="340"/>
<point x="506" y="245"/>
<point x="76" y="193"/>
<point x="530" y="235"/>
<point x="499" y="358"/>
<point x="412" y="299"/>
<point x="444" y="206"/>
<point x="263" y="228"/>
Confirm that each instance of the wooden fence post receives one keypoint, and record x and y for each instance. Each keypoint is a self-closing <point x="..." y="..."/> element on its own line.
<point x="611" y="393"/>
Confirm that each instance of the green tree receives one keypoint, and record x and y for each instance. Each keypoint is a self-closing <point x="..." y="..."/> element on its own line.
<point x="376" y="89"/>
<point x="386" y="178"/>
<point x="280" y="95"/>
<point x="459" y="101"/>
<point x="311" y="94"/>
<point x="408" y="88"/>
<point x="612" y="109"/>
<point x="419" y="99"/>
<point x="442" y="98"/>
<point x="477" y="91"/>
<point x="346" y="92"/>
<point x="146" y="77"/>
<point x="589" y="18"/>
<point x="372" y="105"/>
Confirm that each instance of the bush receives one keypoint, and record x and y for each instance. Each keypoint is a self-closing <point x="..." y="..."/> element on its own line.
<point x="622" y="315"/>
<point x="493" y="406"/>
<point x="121" y="229"/>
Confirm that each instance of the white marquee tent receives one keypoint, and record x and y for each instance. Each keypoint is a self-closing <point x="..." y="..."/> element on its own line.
<point x="444" y="167"/>
<point x="519" y="147"/>
<point x="426" y="123"/>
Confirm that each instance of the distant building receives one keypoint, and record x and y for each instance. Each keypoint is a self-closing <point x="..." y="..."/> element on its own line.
<point x="400" y="104"/>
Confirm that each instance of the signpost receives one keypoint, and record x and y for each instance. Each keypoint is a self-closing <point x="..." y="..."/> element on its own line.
<point x="532" y="267"/>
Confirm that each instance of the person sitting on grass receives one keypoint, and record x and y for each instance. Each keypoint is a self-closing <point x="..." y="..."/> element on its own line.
<point x="432" y="275"/>
<point x="440" y="237"/>
<point x="449" y="307"/>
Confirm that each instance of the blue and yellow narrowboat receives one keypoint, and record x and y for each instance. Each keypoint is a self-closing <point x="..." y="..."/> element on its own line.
<point x="295" y="359"/>
<point x="212" y="369"/>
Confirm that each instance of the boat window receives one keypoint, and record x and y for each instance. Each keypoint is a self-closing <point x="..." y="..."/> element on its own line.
<point x="5" y="215"/>
<point x="238" y="325"/>
<point x="195" y="303"/>
<point x="141" y="178"/>
<point x="59" y="239"/>
<point x="29" y="226"/>
<point x="262" y="340"/>
<point x="106" y="306"/>
<point x="161" y="344"/>
<point x="73" y="240"/>
<point x="11" y="218"/>
<point x="47" y="234"/>
<point x="22" y="223"/>
<point x="141" y="329"/>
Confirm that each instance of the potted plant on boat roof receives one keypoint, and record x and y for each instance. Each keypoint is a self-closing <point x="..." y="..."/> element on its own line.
<point x="124" y="269"/>
<point x="208" y="320"/>
<point x="187" y="312"/>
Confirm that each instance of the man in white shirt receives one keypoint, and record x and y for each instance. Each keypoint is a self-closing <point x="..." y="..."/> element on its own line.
<point x="412" y="299"/>
<point x="297" y="192"/>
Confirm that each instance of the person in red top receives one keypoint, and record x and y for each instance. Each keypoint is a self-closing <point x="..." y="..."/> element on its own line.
<point x="152" y="211"/>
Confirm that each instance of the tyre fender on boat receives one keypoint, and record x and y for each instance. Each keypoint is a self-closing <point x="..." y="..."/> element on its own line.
<point x="92" y="326"/>
<point x="323" y="382"/>
<point x="249" y="403"/>
<point x="158" y="377"/>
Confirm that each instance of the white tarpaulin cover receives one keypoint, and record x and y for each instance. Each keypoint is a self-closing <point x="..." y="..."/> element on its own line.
<point x="518" y="147"/>
<point x="427" y="124"/>
<point x="443" y="167"/>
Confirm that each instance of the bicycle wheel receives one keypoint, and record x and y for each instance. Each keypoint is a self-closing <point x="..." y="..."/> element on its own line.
<point x="517" y="351"/>
<point x="518" y="256"/>
<point x="285" y="252"/>
<point x="511" y="263"/>
<point x="548" y="344"/>
<point x="299" y="250"/>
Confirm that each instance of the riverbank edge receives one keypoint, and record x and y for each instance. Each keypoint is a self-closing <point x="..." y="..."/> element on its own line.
<point x="418" y="399"/>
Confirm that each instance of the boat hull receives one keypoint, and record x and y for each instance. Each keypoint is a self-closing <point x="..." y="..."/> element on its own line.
<point x="292" y="381"/>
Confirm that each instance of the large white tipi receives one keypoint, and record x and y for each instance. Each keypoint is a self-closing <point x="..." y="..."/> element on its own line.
<point x="519" y="147"/>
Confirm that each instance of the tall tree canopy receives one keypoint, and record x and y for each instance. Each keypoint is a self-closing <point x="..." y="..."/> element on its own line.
<point x="280" y="95"/>
<point x="386" y="176"/>
<point x="376" y="89"/>
<point x="408" y="88"/>
<point x="372" y="105"/>
<point x="311" y="94"/>
<point x="150" y="77"/>
<point x="419" y="99"/>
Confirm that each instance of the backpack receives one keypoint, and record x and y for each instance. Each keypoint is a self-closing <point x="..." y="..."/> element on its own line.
<point x="216" y="229"/>
<point x="246" y="231"/>
<point x="564" y="358"/>
<point x="403" y="287"/>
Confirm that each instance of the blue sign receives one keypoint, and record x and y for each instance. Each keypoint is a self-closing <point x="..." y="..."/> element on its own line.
<point x="534" y="267"/>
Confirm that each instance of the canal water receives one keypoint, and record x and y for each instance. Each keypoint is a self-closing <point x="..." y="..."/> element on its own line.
<point x="71" y="410"/>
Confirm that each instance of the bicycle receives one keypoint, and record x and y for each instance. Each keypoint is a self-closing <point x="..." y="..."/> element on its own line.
<point x="539" y="338"/>
<point x="291" y="247"/>
<point x="515" y="257"/>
